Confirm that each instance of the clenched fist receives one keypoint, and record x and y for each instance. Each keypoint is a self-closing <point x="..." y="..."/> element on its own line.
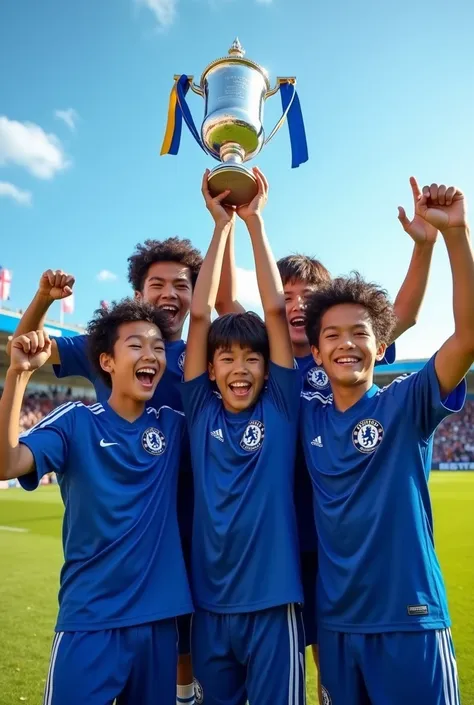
<point x="29" y="352"/>
<point x="56" y="284"/>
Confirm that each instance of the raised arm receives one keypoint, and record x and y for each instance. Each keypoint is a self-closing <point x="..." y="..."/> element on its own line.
<point x="28" y="353"/>
<point x="226" y="301"/>
<point x="205" y="291"/>
<point x="268" y="277"/>
<point x="445" y="209"/>
<point x="53" y="285"/>
<point x="409" y="299"/>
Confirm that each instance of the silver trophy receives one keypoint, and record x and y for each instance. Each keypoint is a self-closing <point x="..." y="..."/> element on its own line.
<point x="235" y="90"/>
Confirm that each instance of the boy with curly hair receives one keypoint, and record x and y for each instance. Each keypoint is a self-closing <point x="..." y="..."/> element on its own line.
<point x="124" y="580"/>
<point x="384" y="627"/>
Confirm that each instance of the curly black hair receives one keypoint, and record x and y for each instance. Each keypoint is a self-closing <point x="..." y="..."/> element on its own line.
<point x="174" y="249"/>
<point x="351" y="290"/>
<point x="103" y="328"/>
<point x="303" y="268"/>
<point x="244" y="329"/>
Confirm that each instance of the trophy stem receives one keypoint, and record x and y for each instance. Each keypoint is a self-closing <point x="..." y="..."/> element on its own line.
<point x="232" y="153"/>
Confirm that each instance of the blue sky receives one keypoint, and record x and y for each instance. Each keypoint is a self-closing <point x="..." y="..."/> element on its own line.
<point x="386" y="91"/>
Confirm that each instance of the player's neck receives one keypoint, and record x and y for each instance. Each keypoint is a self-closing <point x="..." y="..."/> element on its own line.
<point x="173" y="337"/>
<point x="346" y="396"/>
<point x="126" y="407"/>
<point x="301" y="349"/>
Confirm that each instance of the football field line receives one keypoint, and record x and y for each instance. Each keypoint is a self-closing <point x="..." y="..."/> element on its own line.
<point x="14" y="529"/>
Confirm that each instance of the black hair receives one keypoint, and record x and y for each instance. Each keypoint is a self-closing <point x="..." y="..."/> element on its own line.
<point x="244" y="329"/>
<point x="103" y="329"/>
<point x="174" y="249"/>
<point x="351" y="290"/>
<point x="302" y="268"/>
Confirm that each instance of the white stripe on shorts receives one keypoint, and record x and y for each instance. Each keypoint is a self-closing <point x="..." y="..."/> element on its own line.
<point x="448" y="667"/>
<point x="48" y="691"/>
<point x="294" y="678"/>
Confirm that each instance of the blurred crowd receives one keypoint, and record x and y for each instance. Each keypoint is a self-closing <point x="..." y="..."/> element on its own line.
<point x="454" y="439"/>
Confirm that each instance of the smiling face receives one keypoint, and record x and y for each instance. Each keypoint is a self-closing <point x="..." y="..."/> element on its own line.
<point x="138" y="360"/>
<point x="296" y="293"/>
<point x="240" y="374"/>
<point x="168" y="286"/>
<point x="347" y="347"/>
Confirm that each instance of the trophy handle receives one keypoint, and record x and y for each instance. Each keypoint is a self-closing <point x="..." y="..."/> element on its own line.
<point x="272" y="91"/>
<point x="193" y="86"/>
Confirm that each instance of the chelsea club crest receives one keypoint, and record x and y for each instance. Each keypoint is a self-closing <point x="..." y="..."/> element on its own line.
<point x="154" y="441"/>
<point x="181" y="360"/>
<point x="253" y="436"/>
<point x="367" y="435"/>
<point x="317" y="378"/>
<point x="326" y="698"/>
<point x="198" y="692"/>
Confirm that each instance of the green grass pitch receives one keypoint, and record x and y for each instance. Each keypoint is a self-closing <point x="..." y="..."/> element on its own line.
<point x="30" y="559"/>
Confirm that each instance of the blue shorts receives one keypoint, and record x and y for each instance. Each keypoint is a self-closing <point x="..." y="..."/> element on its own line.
<point x="132" y="664"/>
<point x="309" y="569"/>
<point x="257" y="656"/>
<point x="394" y="668"/>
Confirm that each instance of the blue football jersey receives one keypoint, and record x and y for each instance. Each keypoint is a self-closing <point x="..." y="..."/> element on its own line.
<point x="369" y="466"/>
<point x="75" y="362"/>
<point x="123" y="559"/>
<point x="315" y="385"/>
<point x="245" y="554"/>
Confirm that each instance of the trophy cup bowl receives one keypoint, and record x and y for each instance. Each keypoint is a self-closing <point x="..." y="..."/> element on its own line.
<point x="235" y="90"/>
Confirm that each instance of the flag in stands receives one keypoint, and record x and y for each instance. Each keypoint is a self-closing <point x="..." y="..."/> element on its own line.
<point x="5" y="282"/>
<point x="67" y="305"/>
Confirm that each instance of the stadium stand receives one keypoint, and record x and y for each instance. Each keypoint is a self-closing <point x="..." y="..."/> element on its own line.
<point x="454" y="440"/>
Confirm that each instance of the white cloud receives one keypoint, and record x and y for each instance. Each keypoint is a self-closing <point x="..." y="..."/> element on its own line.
<point x="69" y="116"/>
<point x="105" y="276"/>
<point x="10" y="191"/>
<point x="247" y="289"/>
<point x="164" y="10"/>
<point x="29" y="146"/>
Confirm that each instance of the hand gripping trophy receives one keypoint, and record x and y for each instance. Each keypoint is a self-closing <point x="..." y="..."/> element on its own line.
<point x="234" y="89"/>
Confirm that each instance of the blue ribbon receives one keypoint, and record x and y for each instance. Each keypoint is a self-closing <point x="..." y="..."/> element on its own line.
<point x="182" y="86"/>
<point x="299" y="146"/>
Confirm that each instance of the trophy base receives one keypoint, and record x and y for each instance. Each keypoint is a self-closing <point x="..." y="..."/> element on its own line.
<point x="241" y="182"/>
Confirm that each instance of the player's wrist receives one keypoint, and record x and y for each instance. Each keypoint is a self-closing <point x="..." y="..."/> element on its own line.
<point x="458" y="231"/>
<point x="44" y="299"/>
<point x="16" y="374"/>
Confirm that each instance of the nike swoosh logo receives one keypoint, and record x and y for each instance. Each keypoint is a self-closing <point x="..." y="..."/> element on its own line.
<point x="104" y="444"/>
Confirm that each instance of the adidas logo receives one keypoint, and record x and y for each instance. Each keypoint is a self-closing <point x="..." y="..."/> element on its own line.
<point x="218" y="434"/>
<point x="317" y="442"/>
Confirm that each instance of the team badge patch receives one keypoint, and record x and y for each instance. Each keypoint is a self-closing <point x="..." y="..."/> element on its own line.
<point x="181" y="360"/>
<point x="198" y="692"/>
<point x="253" y="436"/>
<point x="154" y="441"/>
<point x="317" y="378"/>
<point x="326" y="697"/>
<point x="367" y="435"/>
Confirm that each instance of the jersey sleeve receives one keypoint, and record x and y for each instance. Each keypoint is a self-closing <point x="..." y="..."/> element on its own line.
<point x="421" y="397"/>
<point x="74" y="360"/>
<point x="196" y="394"/>
<point x="284" y="389"/>
<point x="49" y="442"/>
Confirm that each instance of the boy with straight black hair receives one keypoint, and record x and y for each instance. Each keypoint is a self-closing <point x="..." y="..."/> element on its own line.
<point x="247" y="636"/>
<point x="384" y="627"/>
<point x="124" y="580"/>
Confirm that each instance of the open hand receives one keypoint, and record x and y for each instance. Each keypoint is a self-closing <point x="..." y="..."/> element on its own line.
<point x="29" y="352"/>
<point x="258" y="203"/>
<point x="442" y="207"/>
<point x="220" y="213"/>
<point x="56" y="284"/>
<point x="420" y="230"/>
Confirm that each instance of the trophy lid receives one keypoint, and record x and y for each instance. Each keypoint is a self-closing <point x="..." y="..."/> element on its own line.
<point x="235" y="55"/>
